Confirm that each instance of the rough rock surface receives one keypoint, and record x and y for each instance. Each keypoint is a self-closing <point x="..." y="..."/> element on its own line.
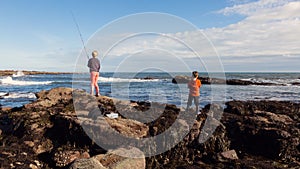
<point x="90" y="163"/>
<point x="266" y="128"/>
<point x="51" y="133"/>
<point x="121" y="158"/>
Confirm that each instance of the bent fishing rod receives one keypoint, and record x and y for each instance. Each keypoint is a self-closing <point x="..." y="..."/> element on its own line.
<point x="77" y="26"/>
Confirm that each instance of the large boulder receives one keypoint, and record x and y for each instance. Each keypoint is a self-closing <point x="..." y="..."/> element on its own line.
<point x="51" y="97"/>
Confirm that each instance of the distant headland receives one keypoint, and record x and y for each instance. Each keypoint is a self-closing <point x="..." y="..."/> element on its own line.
<point x="27" y="72"/>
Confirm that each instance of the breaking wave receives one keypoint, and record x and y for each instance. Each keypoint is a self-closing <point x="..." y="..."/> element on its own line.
<point x="10" y="81"/>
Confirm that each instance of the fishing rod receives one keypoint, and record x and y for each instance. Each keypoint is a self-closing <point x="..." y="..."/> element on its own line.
<point x="77" y="26"/>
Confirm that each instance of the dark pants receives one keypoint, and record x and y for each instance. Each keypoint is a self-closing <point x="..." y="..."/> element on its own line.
<point x="196" y="101"/>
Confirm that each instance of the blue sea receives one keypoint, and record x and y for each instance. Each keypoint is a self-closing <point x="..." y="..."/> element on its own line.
<point x="20" y="89"/>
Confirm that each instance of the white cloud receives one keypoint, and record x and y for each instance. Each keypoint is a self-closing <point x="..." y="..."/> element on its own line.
<point x="268" y="35"/>
<point x="253" y="7"/>
<point x="270" y="30"/>
<point x="131" y="44"/>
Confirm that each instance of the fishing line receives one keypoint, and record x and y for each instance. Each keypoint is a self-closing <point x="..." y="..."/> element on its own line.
<point x="77" y="26"/>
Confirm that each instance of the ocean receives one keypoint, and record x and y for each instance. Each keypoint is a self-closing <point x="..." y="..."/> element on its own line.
<point x="20" y="89"/>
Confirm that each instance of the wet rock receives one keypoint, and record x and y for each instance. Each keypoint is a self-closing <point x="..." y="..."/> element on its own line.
<point x="204" y="80"/>
<point x="90" y="163"/>
<point x="148" y="78"/>
<point x="181" y="79"/>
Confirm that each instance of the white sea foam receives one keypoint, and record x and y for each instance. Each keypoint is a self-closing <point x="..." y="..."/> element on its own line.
<point x="111" y="79"/>
<point x="16" y="95"/>
<point x="273" y="81"/>
<point x="247" y="79"/>
<point x="18" y="74"/>
<point x="10" y="81"/>
<point x="2" y="93"/>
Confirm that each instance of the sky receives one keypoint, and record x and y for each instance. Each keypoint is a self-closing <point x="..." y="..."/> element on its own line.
<point x="230" y="35"/>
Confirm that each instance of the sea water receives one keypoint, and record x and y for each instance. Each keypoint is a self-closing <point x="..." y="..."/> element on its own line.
<point x="20" y="89"/>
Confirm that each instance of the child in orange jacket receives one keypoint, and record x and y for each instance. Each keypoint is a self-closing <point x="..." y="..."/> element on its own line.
<point x="194" y="86"/>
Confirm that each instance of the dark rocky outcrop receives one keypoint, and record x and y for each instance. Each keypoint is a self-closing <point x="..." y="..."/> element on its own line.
<point x="204" y="80"/>
<point x="148" y="78"/>
<point x="296" y="83"/>
<point x="266" y="128"/>
<point x="52" y="133"/>
<point x="207" y="80"/>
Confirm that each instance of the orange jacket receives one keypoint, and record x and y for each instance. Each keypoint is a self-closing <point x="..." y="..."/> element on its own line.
<point x="194" y="86"/>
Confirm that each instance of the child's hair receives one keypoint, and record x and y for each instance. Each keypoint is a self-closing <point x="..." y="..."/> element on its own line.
<point x="195" y="73"/>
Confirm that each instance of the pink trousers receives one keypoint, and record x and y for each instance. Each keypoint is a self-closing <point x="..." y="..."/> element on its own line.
<point x="94" y="82"/>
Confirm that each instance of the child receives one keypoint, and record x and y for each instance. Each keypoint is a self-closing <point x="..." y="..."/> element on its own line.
<point x="194" y="86"/>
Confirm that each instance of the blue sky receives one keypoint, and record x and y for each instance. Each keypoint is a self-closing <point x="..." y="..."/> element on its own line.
<point x="248" y="35"/>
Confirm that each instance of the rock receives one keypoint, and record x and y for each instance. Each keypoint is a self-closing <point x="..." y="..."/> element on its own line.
<point x="148" y="78"/>
<point x="259" y="128"/>
<point x="296" y="83"/>
<point x="5" y="109"/>
<point x="29" y="143"/>
<point x="121" y="158"/>
<point x="64" y="158"/>
<point x="90" y="163"/>
<point x="264" y="134"/>
<point x="82" y="113"/>
<point x="204" y="80"/>
<point x="51" y="97"/>
<point x="127" y="127"/>
<point x="181" y="79"/>
<point x="207" y="80"/>
<point x="42" y="146"/>
<point x="231" y="155"/>
<point x="32" y="166"/>
<point x="25" y="72"/>
<point x="112" y="132"/>
<point x="274" y="118"/>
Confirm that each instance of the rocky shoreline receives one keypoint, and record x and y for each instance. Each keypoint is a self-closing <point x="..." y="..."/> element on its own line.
<point x="48" y="133"/>
<point x="207" y="80"/>
<point x="26" y="72"/>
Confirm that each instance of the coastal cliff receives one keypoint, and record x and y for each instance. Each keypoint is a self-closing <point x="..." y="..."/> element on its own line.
<point x="49" y="133"/>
